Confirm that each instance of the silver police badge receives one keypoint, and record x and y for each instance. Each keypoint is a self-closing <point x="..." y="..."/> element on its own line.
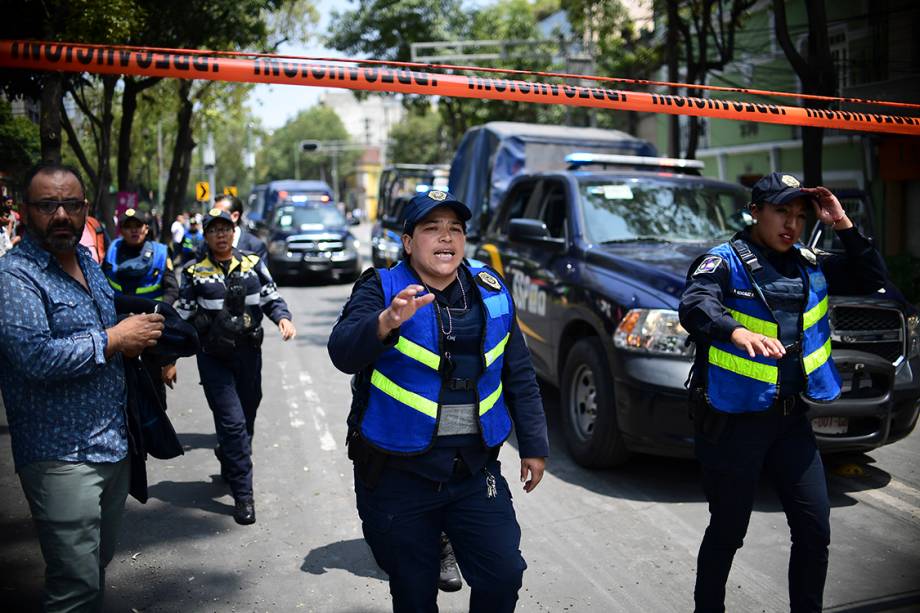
<point x="438" y="195"/>
<point x="215" y="212"/>
<point x="790" y="181"/>
<point x="489" y="280"/>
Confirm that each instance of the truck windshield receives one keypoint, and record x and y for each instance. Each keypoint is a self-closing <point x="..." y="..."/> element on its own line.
<point x="307" y="217"/>
<point x="623" y="210"/>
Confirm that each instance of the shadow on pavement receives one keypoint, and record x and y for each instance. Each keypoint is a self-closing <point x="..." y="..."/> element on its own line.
<point x="892" y="603"/>
<point x="197" y="440"/>
<point x="354" y="556"/>
<point x="199" y="495"/>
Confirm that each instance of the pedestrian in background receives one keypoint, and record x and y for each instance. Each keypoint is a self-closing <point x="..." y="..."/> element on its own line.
<point x="243" y="239"/>
<point x="442" y="373"/>
<point x="225" y="294"/>
<point x="63" y="384"/>
<point x="136" y="266"/>
<point x="756" y="307"/>
<point x="8" y="237"/>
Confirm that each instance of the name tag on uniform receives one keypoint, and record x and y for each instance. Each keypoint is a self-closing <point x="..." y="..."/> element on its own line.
<point x="742" y="293"/>
<point x="497" y="305"/>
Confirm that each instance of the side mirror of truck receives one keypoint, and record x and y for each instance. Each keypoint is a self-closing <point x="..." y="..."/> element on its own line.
<point x="532" y="231"/>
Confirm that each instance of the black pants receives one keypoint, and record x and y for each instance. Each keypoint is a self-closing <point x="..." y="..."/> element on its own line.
<point x="403" y="516"/>
<point x="233" y="388"/>
<point x="783" y="449"/>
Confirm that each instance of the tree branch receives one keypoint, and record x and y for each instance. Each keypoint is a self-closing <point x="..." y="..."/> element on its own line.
<point x="781" y="29"/>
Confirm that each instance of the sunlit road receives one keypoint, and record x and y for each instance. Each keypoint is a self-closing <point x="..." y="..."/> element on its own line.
<point x="621" y="540"/>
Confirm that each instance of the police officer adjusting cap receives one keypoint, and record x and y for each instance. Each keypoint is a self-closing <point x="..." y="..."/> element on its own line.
<point x="133" y="215"/>
<point x="216" y="214"/>
<point x="422" y="204"/>
<point x="778" y="188"/>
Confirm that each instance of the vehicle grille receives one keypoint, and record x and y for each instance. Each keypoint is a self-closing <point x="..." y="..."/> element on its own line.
<point x="876" y="330"/>
<point x="315" y="248"/>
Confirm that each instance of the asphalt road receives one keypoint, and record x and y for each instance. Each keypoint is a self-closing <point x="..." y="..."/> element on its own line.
<point x="615" y="540"/>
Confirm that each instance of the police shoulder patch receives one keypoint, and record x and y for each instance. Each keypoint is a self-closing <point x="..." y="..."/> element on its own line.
<point x="487" y="280"/>
<point x="709" y="264"/>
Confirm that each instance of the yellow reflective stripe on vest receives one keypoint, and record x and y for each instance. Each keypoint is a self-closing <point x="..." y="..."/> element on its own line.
<point x="115" y="286"/>
<point x="743" y="366"/>
<point x="410" y="399"/>
<point x="497" y="350"/>
<point x="418" y="353"/>
<point x="814" y="314"/>
<point x="147" y="290"/>
<point x="489" y="401"/>
<point x="754" y="324"/>
<point x="816" y="359"/>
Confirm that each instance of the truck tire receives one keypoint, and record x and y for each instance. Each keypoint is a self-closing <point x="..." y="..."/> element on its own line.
<point x="588" y="409"/>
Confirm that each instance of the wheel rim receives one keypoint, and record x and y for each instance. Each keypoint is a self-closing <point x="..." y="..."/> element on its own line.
<point x="583" y="402"/>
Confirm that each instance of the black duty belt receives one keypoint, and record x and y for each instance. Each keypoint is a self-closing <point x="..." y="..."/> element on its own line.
<point x="787" y="405"/>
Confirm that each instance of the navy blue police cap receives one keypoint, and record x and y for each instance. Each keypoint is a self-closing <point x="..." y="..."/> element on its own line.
<point x="215" y="214"/>
<point x="133" y="215"/>
<point x="422" y="204"/>
<point x="778" y="188"/>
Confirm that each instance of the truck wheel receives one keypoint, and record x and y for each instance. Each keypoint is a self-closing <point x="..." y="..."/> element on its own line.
<point x="588" y="409"/>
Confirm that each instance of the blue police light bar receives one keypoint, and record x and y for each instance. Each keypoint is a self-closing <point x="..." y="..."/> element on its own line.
<point x="579" y="159"/>
<point x="422" y="187"/>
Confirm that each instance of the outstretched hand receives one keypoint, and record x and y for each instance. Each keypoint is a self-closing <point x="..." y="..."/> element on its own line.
<point x="404" y="305"/>
<point x="757" y="344"/>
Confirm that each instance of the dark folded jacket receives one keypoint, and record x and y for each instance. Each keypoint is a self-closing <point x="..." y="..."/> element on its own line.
<point x="149" y="428"/>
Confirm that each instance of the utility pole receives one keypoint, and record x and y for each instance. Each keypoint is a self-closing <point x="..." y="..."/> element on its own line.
<point x="209" y="159"/>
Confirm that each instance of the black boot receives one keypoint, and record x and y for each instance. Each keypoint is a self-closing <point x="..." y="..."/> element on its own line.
<point x="450" y="580"/>
<point x="244" y="511"/>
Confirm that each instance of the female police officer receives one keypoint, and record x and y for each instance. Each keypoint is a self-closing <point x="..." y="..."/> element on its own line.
<point x="224" y="293"/>
<point x="441" y="373"/>
<point x="756" y="307"/>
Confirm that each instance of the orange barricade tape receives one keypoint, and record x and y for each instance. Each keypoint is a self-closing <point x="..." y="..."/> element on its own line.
<point x="83" y="58"/>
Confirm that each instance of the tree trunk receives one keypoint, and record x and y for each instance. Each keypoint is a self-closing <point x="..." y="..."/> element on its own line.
<point x="179" y="169"/>
<point x="693" y="137"/>
<point x="50" y="121"/>
<point x="104" y="205"/>
<point x="133" y="88"/>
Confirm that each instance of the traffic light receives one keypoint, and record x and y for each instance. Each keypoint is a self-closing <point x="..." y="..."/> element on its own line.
<point x="309" y="145"/>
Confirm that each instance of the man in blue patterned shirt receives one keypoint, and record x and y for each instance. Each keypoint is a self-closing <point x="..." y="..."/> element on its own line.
<point x="63" y="384"/>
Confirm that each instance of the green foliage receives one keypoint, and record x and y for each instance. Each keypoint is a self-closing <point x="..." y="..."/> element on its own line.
<point x="419" y="139"/>
<point x="385" y="30"/>
<point x="277" y="160"/>
<point x="19" y="142"/>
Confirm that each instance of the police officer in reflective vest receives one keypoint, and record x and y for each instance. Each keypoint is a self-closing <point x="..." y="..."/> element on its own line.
<point x="757" y="308"/>
<point x="135" y="266"/>
<point x="442" y="373"/>
<point x="225" y="294"/>
<point x="191" y="241"/>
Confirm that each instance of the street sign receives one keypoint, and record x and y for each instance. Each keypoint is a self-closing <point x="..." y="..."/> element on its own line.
<point x="202" y="191"/>
<point x="230" y="190"/>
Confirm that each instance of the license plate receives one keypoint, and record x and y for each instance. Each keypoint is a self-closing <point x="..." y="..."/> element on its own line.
<point x="830" y="425"/>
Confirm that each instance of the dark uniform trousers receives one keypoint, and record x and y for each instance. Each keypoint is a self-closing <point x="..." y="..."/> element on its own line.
<point x="733" y="457"/>
<point x="233" y="388"/>
<point x="403" y="516"/>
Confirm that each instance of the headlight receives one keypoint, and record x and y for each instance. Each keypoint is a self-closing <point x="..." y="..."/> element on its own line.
<point x="351" y="244"/>
<point x="652" y="331"/>
<point x="277" y="247"/>
<point x="913" y="336"/>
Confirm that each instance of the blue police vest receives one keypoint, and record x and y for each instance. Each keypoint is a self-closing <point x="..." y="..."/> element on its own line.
<point x="151" y="284"/>
<point x="404" y="400"/>
<point x="737" y="383"/>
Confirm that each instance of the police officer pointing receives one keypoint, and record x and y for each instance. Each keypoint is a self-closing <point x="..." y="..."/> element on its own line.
<point x="756" y="307"/>
<point x="225" y="294"/>
<point x="442" y="373"/>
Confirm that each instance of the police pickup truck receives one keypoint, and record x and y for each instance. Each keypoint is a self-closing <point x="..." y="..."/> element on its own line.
<point x="596" y="257"/>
